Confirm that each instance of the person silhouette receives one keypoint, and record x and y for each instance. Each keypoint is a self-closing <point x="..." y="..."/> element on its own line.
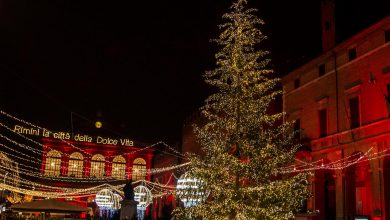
<point x="128" y="191"/>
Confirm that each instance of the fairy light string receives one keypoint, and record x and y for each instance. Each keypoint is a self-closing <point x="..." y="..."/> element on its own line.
<point x="22" y="185"/>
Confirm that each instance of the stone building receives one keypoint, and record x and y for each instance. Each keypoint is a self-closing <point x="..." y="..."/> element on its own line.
<point x="340" y="104"/>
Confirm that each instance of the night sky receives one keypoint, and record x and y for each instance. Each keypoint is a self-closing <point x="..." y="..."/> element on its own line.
<point x="137" y="65"/>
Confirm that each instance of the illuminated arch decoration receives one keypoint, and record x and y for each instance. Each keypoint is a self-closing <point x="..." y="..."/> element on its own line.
<point x="190" y="190"/>
<point x="106" y="199"/>
<point x="75" y="165"/>
<point x="53" y="163"/>
<point x="119" y="168"/>
<point x="144" y="198"/>
<point x="139" y="169"/>
<point x="97" y="166"/>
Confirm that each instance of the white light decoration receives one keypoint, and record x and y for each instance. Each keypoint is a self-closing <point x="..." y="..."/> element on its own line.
<point x="105" y="199"/>
<point x="190" y="191"/>
<point x="117" y="200"/>
<point x="144" y="197"/>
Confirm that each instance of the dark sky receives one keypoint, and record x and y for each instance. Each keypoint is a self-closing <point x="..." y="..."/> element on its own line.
<point x="137" y="65"/>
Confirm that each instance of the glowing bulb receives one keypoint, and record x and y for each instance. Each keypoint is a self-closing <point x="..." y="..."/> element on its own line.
<point x="52" y="164"/>
<point x="98" y="124"/>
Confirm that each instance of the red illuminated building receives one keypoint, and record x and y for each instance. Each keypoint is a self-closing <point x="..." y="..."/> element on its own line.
<point x="87" y="159"/>
<point x="92" y="158"/>
<point x="340" y="104"/>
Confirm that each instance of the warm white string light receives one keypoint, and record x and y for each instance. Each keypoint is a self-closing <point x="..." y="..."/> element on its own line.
<point x="62" y="192"/>
<point x="41" y="152"/>
<point x="70" y="144"/>
<point x="89" y="179"/>
<point x="303" y="166"/>
<point x="337" y="165"/>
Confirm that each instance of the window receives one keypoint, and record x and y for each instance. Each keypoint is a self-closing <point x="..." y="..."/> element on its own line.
<point x="387" y="35"/>
<point x="388" y="92"/>
<point x="387" y="99"/>
<point x="354" y="112"/>
<point x="297" y="129"/>
<point x="352" y="53"/>
<point x="139" y="169"/>
<point x="119" y="168"/>
<point x="323" y="119"/>
<point x="75" y="167"/>
<point x="297" y="83"/>
<point x="321" y="70"/>
<point x="53" y="163"/>
<point x="97" y="166"/>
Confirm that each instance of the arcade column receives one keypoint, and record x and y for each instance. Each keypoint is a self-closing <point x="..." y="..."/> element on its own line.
<point x="108" y="165"/>
<point x="129" y="162"/>
<point x="43" y="162"/>
<point x="376" y="174"/>
<point x="87" y="165"/>
<point x="340" y="194"/>
<point x="149" y="161"/>
<point x="64" y="165"/>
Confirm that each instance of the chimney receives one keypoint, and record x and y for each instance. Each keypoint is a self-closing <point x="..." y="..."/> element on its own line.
<point x="328" y="24"/>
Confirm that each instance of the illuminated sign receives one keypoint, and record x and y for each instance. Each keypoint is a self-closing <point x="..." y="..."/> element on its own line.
<point x="77" y="137"/>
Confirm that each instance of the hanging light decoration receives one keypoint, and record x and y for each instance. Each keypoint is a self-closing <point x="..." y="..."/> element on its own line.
<point x="117" y="200"/>
<point x="144" y="197"/>
<point x="105" y="199"/>
<point x="190" y="190"/>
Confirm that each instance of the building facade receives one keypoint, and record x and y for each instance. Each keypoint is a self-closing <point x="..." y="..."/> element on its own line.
<point x="85" y="163"/>
<point x="86" y="159"/>
<point x="340" y="104"/>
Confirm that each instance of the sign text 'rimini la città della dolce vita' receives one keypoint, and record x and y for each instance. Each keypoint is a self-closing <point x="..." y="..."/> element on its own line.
<point x="76" y="137"/>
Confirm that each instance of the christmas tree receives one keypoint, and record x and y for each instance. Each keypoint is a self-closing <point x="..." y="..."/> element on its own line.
<point x="244" y="145"/>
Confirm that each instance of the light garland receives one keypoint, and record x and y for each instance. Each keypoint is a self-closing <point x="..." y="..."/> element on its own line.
<point x="70" y="144"/>
<point x="336" y="165"/>
<point x="151" y="171"/>
<point x="62" y="192"/>
<point x="144" y="198"/>
<point x="40" y="152"/>
<point x="157" y="189"/>
<point x="190" y="190"/>
<point x="106" y="199"/>
<point x="92" y="179"/>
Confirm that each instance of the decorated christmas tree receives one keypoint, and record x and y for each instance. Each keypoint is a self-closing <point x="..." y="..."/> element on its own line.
<point x="245" y="146"/>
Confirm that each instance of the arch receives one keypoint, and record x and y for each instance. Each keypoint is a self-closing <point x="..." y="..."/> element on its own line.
<point x="119" y="167"/>
<point x="358" y="186"/>
<point x="75" y="165"/>
<point x="53" y="163"/>
<point x="139" y="169"/>
<point x="97" y="166"/>
<point x="386" y="186"/>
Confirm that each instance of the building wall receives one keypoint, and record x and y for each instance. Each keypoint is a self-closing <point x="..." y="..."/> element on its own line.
<point x="163" y="206"/>
<point x="90" y="149"/>
<point x="189" y="139"/>
<point x="357" y="188"/>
